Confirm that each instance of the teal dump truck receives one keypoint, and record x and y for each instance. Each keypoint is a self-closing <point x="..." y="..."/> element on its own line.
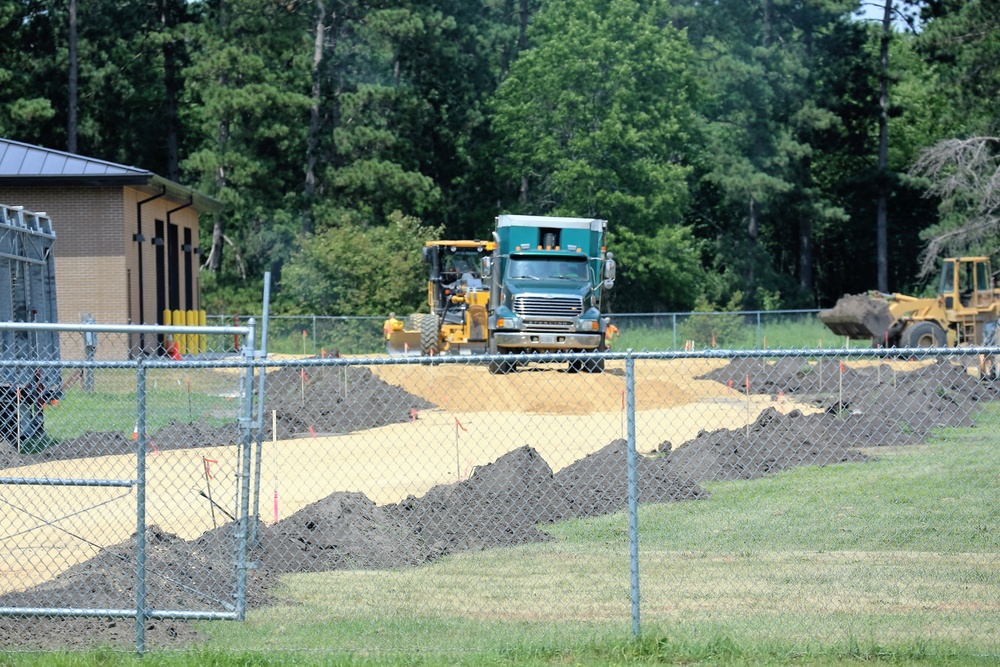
<point x="27" y="294"/>
<point x="547" y="278"/>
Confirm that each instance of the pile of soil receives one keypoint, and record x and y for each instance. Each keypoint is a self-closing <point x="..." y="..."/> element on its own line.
<point x="334" y="400"/>
<point x="874" y="406"/>
<point x="504" y="503"/>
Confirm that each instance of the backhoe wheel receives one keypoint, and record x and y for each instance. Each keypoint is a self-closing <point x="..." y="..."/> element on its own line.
<point x="924" y="334"/>
<point x="429" y="335"/>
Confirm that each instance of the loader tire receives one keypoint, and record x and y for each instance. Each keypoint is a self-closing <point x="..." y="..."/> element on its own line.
<point x="430" y="332"/>
<point x="924" y="334"/>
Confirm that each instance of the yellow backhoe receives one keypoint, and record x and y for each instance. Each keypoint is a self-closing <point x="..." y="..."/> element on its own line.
<point x="966" y="303"/>
<point x="457" y="299"/>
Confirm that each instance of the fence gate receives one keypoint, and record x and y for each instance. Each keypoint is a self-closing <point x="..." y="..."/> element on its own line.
<point x="115" y="514"/>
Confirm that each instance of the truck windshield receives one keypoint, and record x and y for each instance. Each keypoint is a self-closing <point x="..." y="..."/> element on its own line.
<point x="545" y="268"/>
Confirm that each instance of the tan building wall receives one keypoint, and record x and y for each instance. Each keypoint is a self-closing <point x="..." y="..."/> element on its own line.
<point x="97" y="262"/>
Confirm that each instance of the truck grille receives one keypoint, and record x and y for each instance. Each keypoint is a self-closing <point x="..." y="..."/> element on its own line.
<point x="531" y="306"/>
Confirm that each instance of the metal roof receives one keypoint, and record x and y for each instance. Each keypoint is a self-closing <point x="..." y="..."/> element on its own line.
<point x="25" y="164"/>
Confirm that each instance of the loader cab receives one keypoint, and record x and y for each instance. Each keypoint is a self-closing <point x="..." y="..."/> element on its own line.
<point x="966" y="282"/>
<point x="455" y="269"/>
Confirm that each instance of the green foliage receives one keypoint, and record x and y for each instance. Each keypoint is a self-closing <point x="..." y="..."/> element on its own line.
<point x="962" y="41"/>
<point x="731" y="144"/>
<point x="609" y="143"/>
<point x="356" y="270"/>
<point x="655" y="271"/>
<point x="223" y="295"/>
<point x="723" y="327"/>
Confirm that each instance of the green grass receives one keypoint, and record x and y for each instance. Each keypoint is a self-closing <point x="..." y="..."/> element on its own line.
<point x="888" y="562"/>
<point x="172" y="396"/>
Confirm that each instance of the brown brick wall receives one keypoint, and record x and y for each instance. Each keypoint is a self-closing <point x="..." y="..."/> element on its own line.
<point x="96" y="259"/>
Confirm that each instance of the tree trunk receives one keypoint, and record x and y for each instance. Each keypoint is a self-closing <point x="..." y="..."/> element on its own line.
<point x="882" y="223"/>
<point x="214" y="261"/>
<point x="753" y="234"/>
<point x="525" y="17"/>
<point x="806" y="234"/>
<point x="312" y="141"/>
<point x="172" y="86"/>
<point x="74" y="68"/>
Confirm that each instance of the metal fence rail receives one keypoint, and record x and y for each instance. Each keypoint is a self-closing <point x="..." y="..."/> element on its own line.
<point x="752" y="329"/>
<point x="423" y="504"/>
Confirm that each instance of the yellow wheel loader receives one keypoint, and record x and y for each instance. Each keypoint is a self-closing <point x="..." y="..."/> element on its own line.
<point x="457" y="298"/>
<point x="966" y="303"/>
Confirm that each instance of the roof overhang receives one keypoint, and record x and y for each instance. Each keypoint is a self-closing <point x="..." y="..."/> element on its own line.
<point x="146" y="181"/>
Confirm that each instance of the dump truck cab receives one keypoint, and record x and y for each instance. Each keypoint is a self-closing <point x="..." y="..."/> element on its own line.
<point x="548" y="276"/>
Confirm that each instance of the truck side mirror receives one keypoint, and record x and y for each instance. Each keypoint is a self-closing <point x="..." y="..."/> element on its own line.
<point x="487" y="266"/>
<point x="609" y="272"/>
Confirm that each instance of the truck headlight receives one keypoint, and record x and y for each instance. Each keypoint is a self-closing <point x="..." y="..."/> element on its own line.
<point x="588" y="325"/>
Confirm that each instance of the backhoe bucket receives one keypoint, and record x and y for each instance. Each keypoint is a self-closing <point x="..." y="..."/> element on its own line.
<point x="858" y="316"/>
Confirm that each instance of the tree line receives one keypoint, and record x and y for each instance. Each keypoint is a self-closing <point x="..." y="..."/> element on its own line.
<point x="751" y="154"/>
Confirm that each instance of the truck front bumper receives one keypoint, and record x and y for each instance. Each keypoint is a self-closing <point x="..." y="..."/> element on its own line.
<point x="546" y="342"/>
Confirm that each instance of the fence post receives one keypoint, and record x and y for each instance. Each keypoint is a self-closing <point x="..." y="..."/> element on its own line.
<point x="633" y="491"/>
<point x="261" y="372"/>
<point x="246" y="454"/>
<point x="140" y="508"/>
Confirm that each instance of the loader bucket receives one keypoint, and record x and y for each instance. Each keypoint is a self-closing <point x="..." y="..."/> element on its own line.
<point x="858" y="316"/>
<point x="404" y="343"/>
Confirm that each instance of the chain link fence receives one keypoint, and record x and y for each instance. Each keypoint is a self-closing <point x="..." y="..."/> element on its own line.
<point x="743" y="330"/>
<point x="423" y="504"/>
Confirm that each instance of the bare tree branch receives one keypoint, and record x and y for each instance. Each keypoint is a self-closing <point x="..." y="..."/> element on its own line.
<point x="965" y="174"/>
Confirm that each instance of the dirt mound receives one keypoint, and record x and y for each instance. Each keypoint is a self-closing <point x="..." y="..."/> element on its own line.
<point x="773" y="443"/>
<point x="331" y="400"/>
<point x="499" y="505"/>
<point x="598" y="483"/>
<point x="342" y="531"/>
<point x="181" y="575"/>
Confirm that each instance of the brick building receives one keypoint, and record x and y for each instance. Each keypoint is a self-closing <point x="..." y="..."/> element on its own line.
<point x="127" y="243"/>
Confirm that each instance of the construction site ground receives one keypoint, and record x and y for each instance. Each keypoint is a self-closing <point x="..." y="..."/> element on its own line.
<point x="465" y="460"/>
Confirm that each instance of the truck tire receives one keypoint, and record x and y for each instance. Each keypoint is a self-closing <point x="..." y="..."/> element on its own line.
<point x="497" y="367"/>
<point x="596" y="365"/>
<point x="924" y="334"/>
<point x="429" y="335"/>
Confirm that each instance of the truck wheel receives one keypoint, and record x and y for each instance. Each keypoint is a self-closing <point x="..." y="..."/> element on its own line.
<point x="596" y="365"/>
<point x="924" y="334"/>
<point x="429" y="335"/>
<point x="497" y="367"/>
